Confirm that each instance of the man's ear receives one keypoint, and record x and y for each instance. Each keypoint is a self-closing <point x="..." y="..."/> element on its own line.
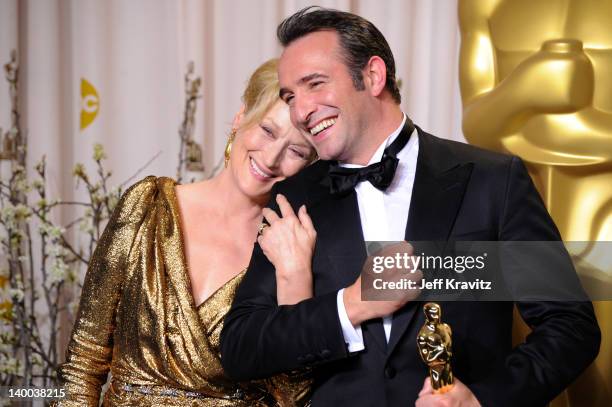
<point x="375" y="75"/>
<point x="238" y="118"/>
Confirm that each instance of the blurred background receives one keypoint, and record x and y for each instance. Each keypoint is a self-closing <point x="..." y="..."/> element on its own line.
<point x="135" y="53"/>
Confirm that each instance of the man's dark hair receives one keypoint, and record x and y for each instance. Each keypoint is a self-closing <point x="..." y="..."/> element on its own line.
<point x="359" y="39"/>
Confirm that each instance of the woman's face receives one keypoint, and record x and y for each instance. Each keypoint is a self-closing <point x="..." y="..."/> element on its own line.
<point x="268" y="152"/>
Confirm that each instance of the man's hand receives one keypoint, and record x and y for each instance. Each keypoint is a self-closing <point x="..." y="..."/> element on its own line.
<point x="458" y="396"/>
<point x="359" y="310"/>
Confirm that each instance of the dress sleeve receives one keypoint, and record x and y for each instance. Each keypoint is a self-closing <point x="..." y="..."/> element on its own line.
<point x="90" y="349"/>
<point x="291" y="389"/>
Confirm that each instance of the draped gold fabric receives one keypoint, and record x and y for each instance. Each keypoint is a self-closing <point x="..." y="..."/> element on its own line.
<point x="137" y="318"/>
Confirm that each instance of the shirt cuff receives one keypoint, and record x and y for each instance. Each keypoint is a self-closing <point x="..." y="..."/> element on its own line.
<point x="352" y="334"/>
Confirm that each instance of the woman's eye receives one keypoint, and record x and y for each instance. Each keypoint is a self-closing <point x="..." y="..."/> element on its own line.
<point x="267" y="130"/>
<point x="297" y="153"/>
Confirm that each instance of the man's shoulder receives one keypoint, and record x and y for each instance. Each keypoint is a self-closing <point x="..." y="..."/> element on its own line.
<point x="299" y="184"/>
<point x="466" y="153"/>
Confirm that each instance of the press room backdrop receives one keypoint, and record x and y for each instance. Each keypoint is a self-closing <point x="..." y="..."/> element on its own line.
<point x="111" y="72"/>
<point x="134" y="55"/>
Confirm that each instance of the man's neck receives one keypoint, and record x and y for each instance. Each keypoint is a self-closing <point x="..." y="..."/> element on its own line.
<point x="378" y="131"/>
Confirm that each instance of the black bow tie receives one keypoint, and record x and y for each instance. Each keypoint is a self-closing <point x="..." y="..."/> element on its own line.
<point x="342" y="180"/>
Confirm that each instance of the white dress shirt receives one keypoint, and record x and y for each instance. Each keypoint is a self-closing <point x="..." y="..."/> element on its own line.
<point x="384" y="215"/>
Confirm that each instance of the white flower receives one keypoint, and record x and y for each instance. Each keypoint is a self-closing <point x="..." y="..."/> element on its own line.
<point x="7" y="214"/>
<point x="98" y="154"/>
<point x="18" y="168"/>
<point x="10" y="365"/>
<point x="50" y="230"/>
<point x="36" y="360"/>
<point x="56" y="231"/>
<point x="16" y="237"/>
<point x="113" y="200"/>
<point x="84" y="224"/>
<point x="22" y="211"/>
<point x="21" y="185"/>
<point x="5" y="345"/>
<point x="7" y="338"/>
<point x="17" y="294"/>
<point x="38" y="184"/>
<point x="55" y="250"/>
<point x="58" y="271"/>
<point x="96" y="197"/>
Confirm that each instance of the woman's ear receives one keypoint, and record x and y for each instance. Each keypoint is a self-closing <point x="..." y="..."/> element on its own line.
<point x="238" y="118"/>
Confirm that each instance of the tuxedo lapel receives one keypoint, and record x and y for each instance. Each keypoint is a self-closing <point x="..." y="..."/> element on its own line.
<point x="439" y="185"/>
<point x="340" y="241"/>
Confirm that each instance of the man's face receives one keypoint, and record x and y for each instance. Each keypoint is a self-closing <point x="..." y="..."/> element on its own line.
<point x="324" y="104"/>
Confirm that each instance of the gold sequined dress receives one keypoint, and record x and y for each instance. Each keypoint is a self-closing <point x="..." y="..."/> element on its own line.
<point x="138" y="320"/>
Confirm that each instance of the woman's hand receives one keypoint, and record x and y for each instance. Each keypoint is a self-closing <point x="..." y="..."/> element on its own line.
<point x="289" y="244"/>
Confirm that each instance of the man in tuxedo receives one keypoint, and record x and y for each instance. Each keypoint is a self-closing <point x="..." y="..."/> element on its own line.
<point x="381" y="178"/>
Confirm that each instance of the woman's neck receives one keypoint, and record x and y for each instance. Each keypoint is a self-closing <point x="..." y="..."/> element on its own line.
<point x="230" y="201"/>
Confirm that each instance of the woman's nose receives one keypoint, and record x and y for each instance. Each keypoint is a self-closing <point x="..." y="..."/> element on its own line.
<point x="272" y="154"/>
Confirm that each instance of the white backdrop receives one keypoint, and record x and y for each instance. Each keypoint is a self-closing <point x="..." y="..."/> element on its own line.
<point x="135" y="53"/>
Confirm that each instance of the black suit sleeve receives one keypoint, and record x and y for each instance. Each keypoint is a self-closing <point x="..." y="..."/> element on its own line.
<point x="261" y="338"/>
<point x="565" y="336"/>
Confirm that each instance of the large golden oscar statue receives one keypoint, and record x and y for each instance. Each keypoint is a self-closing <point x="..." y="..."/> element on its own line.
<point x="536" y="81"/>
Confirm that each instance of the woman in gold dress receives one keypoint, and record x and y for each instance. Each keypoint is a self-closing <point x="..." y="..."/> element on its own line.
<point x="164" y="274"/>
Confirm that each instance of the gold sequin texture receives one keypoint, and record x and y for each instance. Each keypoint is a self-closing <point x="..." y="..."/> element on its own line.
<point x="137" y="319"/>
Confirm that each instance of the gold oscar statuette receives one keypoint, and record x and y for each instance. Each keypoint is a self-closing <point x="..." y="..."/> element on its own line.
<point x="435" y="347"/>
<point x="536" y="80"/>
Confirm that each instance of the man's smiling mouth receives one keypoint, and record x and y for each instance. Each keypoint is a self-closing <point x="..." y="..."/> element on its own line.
<point x="322" y="126"/>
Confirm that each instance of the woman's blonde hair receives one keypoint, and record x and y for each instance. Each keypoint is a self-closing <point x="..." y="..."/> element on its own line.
<point x="261" y="93"/>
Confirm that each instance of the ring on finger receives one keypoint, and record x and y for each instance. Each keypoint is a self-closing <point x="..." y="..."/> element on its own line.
<point x="261" y="228"/>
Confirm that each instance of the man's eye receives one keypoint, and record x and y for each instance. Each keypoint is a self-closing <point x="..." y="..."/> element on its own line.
<point x="315" y="84"/>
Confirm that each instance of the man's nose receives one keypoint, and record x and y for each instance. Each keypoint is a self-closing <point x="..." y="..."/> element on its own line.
<point x="302" y="109"/>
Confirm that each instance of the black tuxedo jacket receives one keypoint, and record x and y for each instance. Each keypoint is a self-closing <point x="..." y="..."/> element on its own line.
<point x="460" y="192"/>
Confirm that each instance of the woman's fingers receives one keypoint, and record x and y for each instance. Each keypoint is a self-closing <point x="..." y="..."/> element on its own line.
<point x="288" y="214"/>
<point x="269" y="215"/>
<point x="285" y="206"/>
<point x="306" y="221"/>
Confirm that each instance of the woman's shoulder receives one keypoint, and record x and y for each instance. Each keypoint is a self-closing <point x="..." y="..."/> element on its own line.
<point x="193" y="196"/>
<point x="140" y="196"/>
<point x="150" y="184"/>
